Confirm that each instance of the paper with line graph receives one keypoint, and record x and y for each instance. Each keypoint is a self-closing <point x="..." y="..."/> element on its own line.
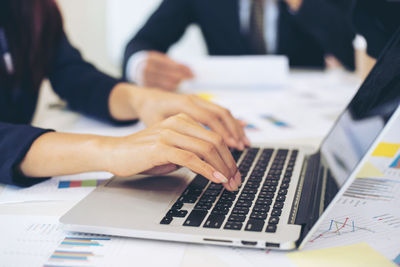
<point x="377" y="223"/>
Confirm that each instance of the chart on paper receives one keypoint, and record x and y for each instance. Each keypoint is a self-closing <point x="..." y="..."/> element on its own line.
<point x="41" y="241"/>
<point x="375" y="189"/>
<point x="377" y="223"/>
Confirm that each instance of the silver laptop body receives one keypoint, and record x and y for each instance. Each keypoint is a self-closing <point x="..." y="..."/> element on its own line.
<point x="285" y="192"/>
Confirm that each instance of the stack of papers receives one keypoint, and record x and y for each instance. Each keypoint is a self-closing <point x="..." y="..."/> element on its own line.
<point x="228" y="72"/>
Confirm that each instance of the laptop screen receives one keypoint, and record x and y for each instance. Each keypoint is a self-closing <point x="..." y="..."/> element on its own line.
<point x="366" y="115"/>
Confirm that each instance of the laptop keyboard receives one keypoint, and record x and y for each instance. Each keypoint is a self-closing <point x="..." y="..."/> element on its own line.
<point x="256" y="206"/>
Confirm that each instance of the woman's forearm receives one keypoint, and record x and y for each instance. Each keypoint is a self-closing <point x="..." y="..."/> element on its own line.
<point x="177" y="141"/>
<point x="54" y="154"/>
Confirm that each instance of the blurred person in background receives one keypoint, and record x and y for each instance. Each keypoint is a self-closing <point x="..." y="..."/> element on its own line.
<point x="34" y="46"/>
<point x="306" y="31"/>
<point x="377" y="21"/>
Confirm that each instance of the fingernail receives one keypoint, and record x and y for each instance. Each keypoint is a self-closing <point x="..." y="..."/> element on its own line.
<point x="233" y="184"/>
<point x="219" y="176"/>
<point x="246" y="141"/>
<point x="241" y="145"/>
<point x="238" y="178"/>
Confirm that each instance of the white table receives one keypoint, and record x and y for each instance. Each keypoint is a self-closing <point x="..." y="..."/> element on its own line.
<point x="302" y="88"/>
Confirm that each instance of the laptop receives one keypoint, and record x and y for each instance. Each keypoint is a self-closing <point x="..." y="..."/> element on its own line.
<point x="286" y="191"/>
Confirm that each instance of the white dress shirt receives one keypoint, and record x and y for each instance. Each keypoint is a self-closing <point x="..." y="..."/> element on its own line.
<point x="135" y="65"/>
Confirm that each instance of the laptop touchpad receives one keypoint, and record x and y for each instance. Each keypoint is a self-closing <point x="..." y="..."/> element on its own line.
<point x="161" y="184"/>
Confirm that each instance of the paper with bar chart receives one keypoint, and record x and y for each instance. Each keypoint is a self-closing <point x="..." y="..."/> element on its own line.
<point x="40" y="241"/>
<point x="63" y="188"/>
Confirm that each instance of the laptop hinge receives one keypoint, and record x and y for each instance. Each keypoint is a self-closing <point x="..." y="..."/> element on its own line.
<point x="310" y="194"/>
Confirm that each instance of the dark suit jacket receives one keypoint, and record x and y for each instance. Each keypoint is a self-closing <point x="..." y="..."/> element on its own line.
<point x="86" y="90"/>
<point x="377" y="21"/>
<point x="304" y="37"/>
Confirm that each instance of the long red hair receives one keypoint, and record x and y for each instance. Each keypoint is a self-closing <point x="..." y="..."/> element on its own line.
<point x="33" y="29"/>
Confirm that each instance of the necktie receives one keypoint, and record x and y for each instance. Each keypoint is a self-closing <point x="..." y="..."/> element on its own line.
<point x="256" y="34"/>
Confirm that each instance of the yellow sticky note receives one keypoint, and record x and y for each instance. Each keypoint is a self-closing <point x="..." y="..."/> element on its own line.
<point x="357" y="255"/>
<point x="386" y="150"/>
<point x="206" y="96"/>
<point x="369" y="171"/>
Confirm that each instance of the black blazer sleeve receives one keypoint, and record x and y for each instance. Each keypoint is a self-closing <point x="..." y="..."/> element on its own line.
<point x="329" y="22"/>
<point x="15" y="142"/>
<point x="165" y="27"/>
<point x="79" y="83"/>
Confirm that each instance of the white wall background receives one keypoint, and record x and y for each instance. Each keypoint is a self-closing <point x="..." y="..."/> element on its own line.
<point x="101" y="29"/>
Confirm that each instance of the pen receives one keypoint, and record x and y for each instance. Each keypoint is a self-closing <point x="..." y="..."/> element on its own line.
<point x="6" y="53"/>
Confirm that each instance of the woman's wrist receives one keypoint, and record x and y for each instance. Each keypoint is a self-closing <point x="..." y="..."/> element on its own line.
<point x="124" y="101"/>
<point x="55" y="154"/>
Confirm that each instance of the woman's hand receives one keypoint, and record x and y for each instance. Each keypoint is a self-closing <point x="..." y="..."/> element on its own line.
<point x="153" y="106"/>
<point x="162" y="148"/>
<point x="176" y="141"/>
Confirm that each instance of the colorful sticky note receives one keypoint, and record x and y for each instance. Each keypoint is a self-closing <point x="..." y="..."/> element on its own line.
<point x="206" y="96"/>
<point x="357" y="255"/>
<point x="369" y="171"/>
<point x="388" y="150"/>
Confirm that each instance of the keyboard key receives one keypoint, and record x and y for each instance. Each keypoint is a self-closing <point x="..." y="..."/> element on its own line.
<point x="268" y="188"/>
<point x="221" y="210"/>
<point x="188" y="199"/>
<point x="273" y="220"/>
<point x="244" y="203"/>
<point x="230" y="225"/>
<point x="271" y="228"/>
<point x="205" y="199"/>
<point x="258" y="215"/>
<point x="177" y="205"/>
<point x="271" y="182"/>
<point x="214" y="221"/>
<point x="192" y="192"/>
<point x="280" y="199"/>
<point x="203" y="207"/>
<point x="195" y="218"/>
<point x="228" y="198"/>
<point x="278" y="205"/>
<point x="254" y="225"/>
<point x="267" y="195"/>
<point x="249" y="191"/>
<point x="236" y="154"/>
<point x="240" y="210"/>
<point x="247" y="197"/>
<point x="199" y="182"/>
<point x="284" y="186"/>
<point x="211" y="192"/>
<point x="237" y="218"/>
<point x="166" y="220"/>
<point x="177" y="213"/>
<point x="215" y="186"/>
<point x="276" y="212"/>
<point x="264" y="208"/>
<point x="282" y="192"/>
<point x="223" y="204"/>
<point x="263" y="201"/>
